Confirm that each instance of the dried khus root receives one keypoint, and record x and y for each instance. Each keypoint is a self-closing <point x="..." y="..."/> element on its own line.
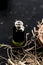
<point x="26" y="59"/>
<point x="39" y="33"/>
<point x="29" y="59"/>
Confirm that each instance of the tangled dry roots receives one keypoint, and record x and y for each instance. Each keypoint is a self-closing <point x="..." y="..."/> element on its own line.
<point x="24" y="58"/>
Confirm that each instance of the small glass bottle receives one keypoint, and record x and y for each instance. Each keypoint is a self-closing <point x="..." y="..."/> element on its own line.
<point x="18" y="33"/>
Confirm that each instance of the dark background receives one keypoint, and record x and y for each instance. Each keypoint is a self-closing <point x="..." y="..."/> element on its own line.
<point x="29" y="11"/>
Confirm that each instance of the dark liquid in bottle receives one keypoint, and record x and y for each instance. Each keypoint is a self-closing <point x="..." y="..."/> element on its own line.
<point x="18" y="35"/>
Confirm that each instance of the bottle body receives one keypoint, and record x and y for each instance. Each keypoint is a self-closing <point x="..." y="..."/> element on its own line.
<point x="18" y="35"/>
